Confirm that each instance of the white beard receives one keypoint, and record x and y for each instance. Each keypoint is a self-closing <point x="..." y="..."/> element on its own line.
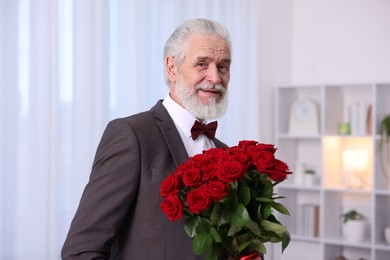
<point x="198" y="109"/>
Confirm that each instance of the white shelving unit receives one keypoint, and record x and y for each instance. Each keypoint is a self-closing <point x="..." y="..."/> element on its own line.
<point x="332" y="193"/>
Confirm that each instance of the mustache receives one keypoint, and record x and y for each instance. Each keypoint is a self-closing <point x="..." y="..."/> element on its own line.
<point x="209" y="86"/>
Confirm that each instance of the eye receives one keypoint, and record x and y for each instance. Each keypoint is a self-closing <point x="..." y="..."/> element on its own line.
<point x="201" y="64"/>
<point x="223" y="67"/>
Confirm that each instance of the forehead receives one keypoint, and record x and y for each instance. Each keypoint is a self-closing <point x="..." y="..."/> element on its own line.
<point x="208" y="45"/>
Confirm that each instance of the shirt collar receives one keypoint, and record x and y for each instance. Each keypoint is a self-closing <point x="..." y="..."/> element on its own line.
<point x="181" y="117"/>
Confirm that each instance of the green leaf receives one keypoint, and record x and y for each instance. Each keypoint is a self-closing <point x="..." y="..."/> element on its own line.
<point x="285" y="240"/>
<point x="231" y="200"/>
<point x="258" y="213"/>
<point x="254" y="227"/>
<point x="214" y="233"/>
<point x="245" y="237"/>
<point x="190" y="225"/>
<point x="279" y="207"/>
<point x="270" y="226"/>
<point x="212" y="255"/>
<point x="259" y="247"/>
<point x="244" y="245"/>
<point x="203" y="226"/>
<point x="202" y="243"/>
<point x="244" y="195"/>
<point x="241" y="216"/>
<point x="233" y="230"/>
<point x="270" y="236"/>
<point x="266" y="211"/>
<point x="243" y="181"/>
<point x="226" y="216"/>
<point x="267" y="188"/>
<point x="215" y="214"/>
<point x="266" y="200"/>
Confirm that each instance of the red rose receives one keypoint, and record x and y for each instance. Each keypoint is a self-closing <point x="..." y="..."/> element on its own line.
<point x="277" y="175"/>
<point x="263" y="161"/>
<point x="198" y="160"/>
<point x="246" y="143"/>
<point x="210" y="172"/>
<point x="182" y="167"/>
<point x="172" y="206"/>
<point x="280" y="165"/>
<point x="191" y="176"/>
<point x="170" y="185"/>
<point x="253" y="151"/>
<point x="218" y="190"/>
<point x="231" y="171"/>
<point x="236" y="149"/>
<point x="267" y="147"/>
<point x="198" y="199"/>
<point x="280" y="171"/>
<point x="215" y="154"/>
<point x="240" y="156"/>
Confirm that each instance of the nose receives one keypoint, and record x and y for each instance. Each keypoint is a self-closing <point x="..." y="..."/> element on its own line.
<point x="213" y="76"/>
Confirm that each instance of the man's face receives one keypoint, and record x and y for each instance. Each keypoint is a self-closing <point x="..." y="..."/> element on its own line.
<point x="200" y="83"/>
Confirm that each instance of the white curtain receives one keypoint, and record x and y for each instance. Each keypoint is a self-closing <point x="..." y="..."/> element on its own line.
<point x="67" y="67"/>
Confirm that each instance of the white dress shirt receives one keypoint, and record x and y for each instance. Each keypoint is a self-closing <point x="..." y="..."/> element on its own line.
<point x="184" y="121"/>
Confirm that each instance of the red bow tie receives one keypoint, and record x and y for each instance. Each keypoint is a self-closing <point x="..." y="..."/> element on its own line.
<point x="208" y="130"/>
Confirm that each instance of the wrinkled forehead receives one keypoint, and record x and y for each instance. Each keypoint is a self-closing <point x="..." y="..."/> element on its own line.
<point x="207" y="44"/>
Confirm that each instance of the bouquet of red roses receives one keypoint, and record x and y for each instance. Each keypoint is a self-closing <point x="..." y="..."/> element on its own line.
<point x="227" y="197"/>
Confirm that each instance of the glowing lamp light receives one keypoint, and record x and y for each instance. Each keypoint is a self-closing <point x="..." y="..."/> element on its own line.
<point x="355" y="160"/>
<point x="355" y="163"/>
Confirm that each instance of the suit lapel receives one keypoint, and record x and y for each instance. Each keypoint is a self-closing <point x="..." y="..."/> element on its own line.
<point x="170" y="133"/>
<point x="218" y="143"/>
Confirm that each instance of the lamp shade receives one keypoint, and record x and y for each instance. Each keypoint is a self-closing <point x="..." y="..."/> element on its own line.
<point x="355" y="160"/>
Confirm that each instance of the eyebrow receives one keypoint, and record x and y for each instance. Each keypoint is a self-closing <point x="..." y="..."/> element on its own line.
<point x="205" y="58"/>
<point x="202" y="58"/>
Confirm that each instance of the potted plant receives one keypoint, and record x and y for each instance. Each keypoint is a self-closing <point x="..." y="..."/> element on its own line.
<point x="308" y="177"/>
<point x="353" y="226"/>
<point x="384" y="145"/>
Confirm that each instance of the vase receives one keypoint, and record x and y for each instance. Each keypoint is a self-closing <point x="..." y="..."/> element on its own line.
<point x="308" y="179"/>
<point x="387" y="234"/>
<point x="354" y="230"/>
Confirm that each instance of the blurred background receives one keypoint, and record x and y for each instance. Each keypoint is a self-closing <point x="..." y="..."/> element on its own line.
<point x="68" y="67"/>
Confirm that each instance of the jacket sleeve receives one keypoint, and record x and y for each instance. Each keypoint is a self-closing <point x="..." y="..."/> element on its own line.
<point x="107" y="197"/>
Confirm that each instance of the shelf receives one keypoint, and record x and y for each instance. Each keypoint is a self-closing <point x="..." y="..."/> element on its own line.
<point x="347" y="190"/>
<point x="313" y="240"/>
<point x="302" y="187"/>
<point x="348" y="170"/>
<point x="382" y="192"/>
<point x="383" y="247"/>
<point x="339" y="242"/>
<point x="289" y="136"/>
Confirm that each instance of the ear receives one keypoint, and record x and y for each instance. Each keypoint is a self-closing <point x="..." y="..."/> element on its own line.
<point x="170" y="68"/>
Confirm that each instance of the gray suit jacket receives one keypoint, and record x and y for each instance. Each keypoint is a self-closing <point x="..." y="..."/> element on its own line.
<point x="119" y="215"/>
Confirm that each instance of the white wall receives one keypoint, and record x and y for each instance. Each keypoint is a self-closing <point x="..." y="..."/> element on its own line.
<point x="320" y="41"/>
<point x="340" y="41"/>
<point x="275" y="44"/>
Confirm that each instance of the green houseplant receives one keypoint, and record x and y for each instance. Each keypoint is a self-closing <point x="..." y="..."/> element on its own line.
<point x="353" y="226"/>
<point x="351" y="215"/>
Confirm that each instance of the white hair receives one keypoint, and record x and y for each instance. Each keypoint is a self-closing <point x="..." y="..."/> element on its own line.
<point x="175" y="46"/>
